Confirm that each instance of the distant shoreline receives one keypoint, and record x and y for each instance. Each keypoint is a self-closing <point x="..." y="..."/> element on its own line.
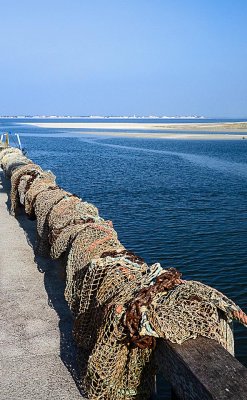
<point x="92" y="117"/>
<point x="107" y="129"/>
<point x="209" y="127"/>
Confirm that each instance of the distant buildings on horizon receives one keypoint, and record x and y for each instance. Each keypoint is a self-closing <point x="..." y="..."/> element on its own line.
<point x="101" y="117"/>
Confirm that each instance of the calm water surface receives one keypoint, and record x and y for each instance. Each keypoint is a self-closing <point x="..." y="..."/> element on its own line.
<point x="180" y="203"/>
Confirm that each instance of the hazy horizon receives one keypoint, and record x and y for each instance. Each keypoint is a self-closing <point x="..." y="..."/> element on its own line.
<point x="134" y="116"/>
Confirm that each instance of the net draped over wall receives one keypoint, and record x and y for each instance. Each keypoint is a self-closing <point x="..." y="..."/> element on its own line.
<point x="121" y="306"/>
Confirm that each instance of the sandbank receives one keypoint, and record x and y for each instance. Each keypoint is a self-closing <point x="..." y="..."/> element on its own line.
<point x="106" y="126"/>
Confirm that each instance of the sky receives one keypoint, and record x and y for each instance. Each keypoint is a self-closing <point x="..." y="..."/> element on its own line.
<point x="123" y="57"/>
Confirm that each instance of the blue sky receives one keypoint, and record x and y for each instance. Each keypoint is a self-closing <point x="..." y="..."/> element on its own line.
<point x="127" y="57"/>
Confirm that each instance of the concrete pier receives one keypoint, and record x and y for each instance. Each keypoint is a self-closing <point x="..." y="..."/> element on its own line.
<point x="36" y="347"/>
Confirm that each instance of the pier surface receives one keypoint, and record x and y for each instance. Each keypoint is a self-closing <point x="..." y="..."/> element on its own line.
<point x="35" y="338"/>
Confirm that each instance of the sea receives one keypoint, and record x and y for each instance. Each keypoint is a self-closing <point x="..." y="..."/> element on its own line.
<point x="181" y="203"/>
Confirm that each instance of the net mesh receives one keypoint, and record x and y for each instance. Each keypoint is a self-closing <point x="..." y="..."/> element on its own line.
<point x="20" y="182"/>
<point x="8" y="151"/>
<point x="44" y="202"/>
<point x="104" y="280"/>
<point x="90" y="242"/>
<point x="191" y="310"/>
<point x="120" y="304"/>
<point x="12" y="161"/>
<point x="70" y="210"/>
<point x="44" y="181"/>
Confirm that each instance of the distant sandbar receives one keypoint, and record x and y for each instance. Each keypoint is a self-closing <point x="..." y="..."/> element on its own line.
<point x="207" y="127"/>
<point x="140" y="130"/>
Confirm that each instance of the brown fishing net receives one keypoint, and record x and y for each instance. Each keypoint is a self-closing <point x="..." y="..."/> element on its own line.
<point x="22" y="188"/>
<point x="44" y="181"/>
<point x="21" y="180"/>
<point x="121" y="305"/>
<point x="15" y="163"/>
<point x="44" y="202"/>
<point x="191" y="310"/>
<point x="120" y="347"/>
<point x="13" y="160"/>
<point x="92" y="240"/>
<point x="116" y="369"/>
<point x="70" y="210"/>
<point x="105" y="279"/>
<point x="7" y="151"/>
<point x="62" y="242"/>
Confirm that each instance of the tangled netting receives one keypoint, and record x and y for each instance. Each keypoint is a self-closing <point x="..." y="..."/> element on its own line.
<point x="121" y="306"/>
<point x="21" y="181"/>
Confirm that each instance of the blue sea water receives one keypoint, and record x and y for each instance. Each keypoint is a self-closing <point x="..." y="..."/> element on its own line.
<point x="180" y="203"/>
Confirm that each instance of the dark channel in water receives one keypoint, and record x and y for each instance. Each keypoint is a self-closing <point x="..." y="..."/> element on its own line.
<point x="180" y="203"/>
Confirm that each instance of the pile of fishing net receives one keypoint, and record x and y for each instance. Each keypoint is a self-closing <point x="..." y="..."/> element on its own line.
<point x="125" y="306"/>
<point x="8" y="150"/>
<point x="12" y="159"/>
<point x="21" y="180"/>
<point x="121" y="306"/>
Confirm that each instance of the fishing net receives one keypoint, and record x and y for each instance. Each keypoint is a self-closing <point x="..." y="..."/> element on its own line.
<point x="190" y="310"/>
<point x="127" y="324"/>
<point x="63" y="232"/>
<point x="44" y="181"/>
<point x="6" y="157"/>
<point x="63" y="240"/>
<point x="21" y="191"/>
<point x="115" y="370"/>
<point x="103" y="280"/>
<point x="44" y="202"/>
<point x="9" y="150"/>
<point x="21" y="181"/>
<point x="15" y="163"/>
<point x="13" y="160"/>
<point x="121" y="305"/>
<point x="70" y="210"/>
<point x="92" y="240"/>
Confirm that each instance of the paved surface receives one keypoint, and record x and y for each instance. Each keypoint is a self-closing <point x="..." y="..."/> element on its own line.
<point x="36" y="347"/>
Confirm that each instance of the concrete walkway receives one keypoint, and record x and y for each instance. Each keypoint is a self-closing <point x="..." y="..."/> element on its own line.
<point x="36" y="347"/>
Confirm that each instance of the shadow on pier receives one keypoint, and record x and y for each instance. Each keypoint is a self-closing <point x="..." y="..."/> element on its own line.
<point x="54" y="282"/>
